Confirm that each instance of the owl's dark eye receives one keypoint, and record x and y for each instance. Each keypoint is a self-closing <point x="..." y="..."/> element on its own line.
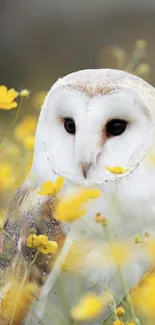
<point x="69" y="125"/>
<point x="115" y="127"/>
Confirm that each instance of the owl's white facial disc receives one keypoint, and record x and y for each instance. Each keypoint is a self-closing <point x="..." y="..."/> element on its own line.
<point x="78" y="135"/>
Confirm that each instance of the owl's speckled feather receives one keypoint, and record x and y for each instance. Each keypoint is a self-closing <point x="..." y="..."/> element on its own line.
<point x="29" y="213"/>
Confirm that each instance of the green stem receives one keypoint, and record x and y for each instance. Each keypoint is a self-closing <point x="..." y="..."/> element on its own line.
<point x="109" y="235"/>
<point x="128" y="298"/>
<point x="13" y="123"/>
<point x="113" y="311"/>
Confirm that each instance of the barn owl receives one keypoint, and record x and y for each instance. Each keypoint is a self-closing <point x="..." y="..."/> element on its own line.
<point x="90" y="119"/>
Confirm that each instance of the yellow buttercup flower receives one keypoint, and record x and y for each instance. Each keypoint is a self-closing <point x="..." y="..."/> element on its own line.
<point x="6" y="175"/>
<point x="147" y="234"/>
<point x="143" y="69"/>
<point x="50" y="248"/>
<point x="29" y="143"/>
<point x="25" y="129"/>
<point x="99" y="218"/>
<point x="72" y="208"/>
<point x="120" y="253"/>
<point x="118" y="322"/>
<point x="31" y="287"/>
<point x="39" y="99"/>
<point x="48" y="188"/>
<point x="75" y="257"/>
<point x="5" y="170"/>
<point x="151" y="157"/>
<point x="89" y="307"/>
<point x="17" y="296"/>
<point x="117" y="169"/>
<point x="7" y="97"/>
<point x="24" y="93"/>
<point x="118" y="53"/>
<point x="32" y="241"/>
<point x="138" y="239"/>
<point x="141" y="44"/>
<point x="120" y="311"/>
<point x="143" y="296"/>
<point x="43" y="244"/>
<point x="11" y="150"/>
<point x="150" y="247"/>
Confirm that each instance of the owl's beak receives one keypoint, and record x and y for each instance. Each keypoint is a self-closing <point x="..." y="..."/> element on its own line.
<point x="85" y="168"/>
<point x="87" y="165"/>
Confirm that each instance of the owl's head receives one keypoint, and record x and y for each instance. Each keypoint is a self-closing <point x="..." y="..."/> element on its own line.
<point x="92" y="119"/>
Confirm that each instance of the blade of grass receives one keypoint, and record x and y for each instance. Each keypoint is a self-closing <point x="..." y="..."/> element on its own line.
<point x="13" y="123"/>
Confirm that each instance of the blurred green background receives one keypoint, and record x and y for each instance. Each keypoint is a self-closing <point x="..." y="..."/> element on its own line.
<point x="41" y="40"/>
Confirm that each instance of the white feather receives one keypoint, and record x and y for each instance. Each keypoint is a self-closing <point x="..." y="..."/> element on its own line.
<point x="92" y="98"/>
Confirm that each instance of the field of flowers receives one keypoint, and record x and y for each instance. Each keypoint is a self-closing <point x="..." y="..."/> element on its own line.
<point x="17" y="138"/>
<point x="19" y="111"/>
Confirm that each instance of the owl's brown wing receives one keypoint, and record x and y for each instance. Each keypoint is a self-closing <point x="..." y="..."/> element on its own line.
<point x="29" y="213"/>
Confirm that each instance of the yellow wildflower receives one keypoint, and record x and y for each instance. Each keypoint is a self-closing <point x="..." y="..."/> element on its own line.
<point x="137" y="239"/>
<point x="50" y="248"/>
<point x="7" y="98"/>
<point x="151" y="157"/>
<point x="141" y="44"/>
<point x="143" y="69"/>
<point x="41" y="242"/>
<point x="143" y="296"/>
<point x="29" y="143"/>
<point x="39" y="99"/>
<point x="76" y="256"/>
<point x="150" y="247"/>
<point x="48" y="188"/>
<point x="72" y="208"/>
<point x="31" y="287"/>
<point x="89" y="307"/>
<point x="118" y="53"/>
<point x="32" y="240"/>
<point x="11" y="149"/>
<point x="16" y="296"/>
<point x="131" y="323"/>
<point x="147" y="234"/>
<point x="26" y="128"/>
<point x="99" y="218"/>
<point x="120" y="252"/>
<point x="29" y="123"/>
<point x="6" y="175"/>
<point x="5" y="169"/>
<point x="24" y="93"/>
<point x="118" y="322"/>
<point x="116" y="169"/>
<point x="120" y="311"/>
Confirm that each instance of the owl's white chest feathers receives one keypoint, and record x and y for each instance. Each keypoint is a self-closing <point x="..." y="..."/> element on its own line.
<point x="129" y="206"/>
